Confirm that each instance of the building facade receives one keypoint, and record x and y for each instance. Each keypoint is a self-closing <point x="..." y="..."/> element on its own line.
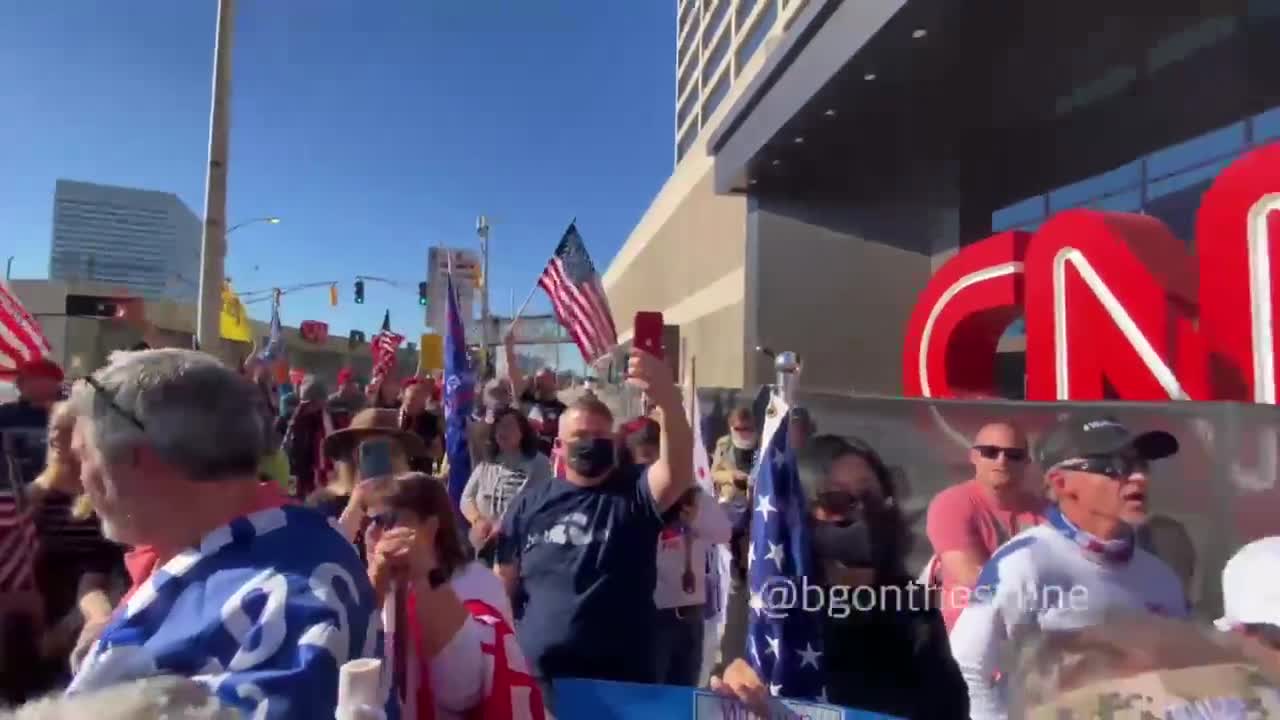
<point x="715" y="40"/>
<point x="877" y="137"/>
<point x="142" y="241"/>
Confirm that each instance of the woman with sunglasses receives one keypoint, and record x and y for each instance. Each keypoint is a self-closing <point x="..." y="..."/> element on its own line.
<point x="884" y="647"/>
<point x="449" y="616"/>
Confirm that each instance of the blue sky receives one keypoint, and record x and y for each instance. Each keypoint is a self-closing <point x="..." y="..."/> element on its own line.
<point x="373" y="129"/>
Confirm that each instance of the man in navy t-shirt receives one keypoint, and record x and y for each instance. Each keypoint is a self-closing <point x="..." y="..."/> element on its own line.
<point x="580" y="548"/>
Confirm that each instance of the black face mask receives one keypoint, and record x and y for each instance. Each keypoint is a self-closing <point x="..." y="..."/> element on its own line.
<point x="866" y="540"/>
<point x="591" y="458"/>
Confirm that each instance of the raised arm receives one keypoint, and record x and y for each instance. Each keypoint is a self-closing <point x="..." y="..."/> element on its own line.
<point x="672" y="474"/>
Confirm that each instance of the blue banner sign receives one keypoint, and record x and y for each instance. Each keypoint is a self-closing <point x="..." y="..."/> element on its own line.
<point x="599" y="700"/>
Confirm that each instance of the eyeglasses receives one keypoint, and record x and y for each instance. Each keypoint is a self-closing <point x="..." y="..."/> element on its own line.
<point x="991" y="452"/>
<point x="1116" y="467"/>
<point x="110" y="399"/>
<point x="384" y="520"/>
<point x="840" y="502"/>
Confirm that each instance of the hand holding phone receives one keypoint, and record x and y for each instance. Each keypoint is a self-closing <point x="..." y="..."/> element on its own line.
<point x="647" y="334"/>
<point x="375" y="459"/>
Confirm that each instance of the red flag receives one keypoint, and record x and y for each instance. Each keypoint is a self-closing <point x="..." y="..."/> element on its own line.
<point x="21" y="339"/>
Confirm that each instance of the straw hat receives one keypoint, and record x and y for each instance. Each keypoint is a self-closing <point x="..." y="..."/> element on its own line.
<point x="373" y="422"/>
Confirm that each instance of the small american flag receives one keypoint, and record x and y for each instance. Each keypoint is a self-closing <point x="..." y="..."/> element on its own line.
<point x="18" y="538"/>
<point x="384" y="347"/>
<point x="784" y="641"/>
<point x="21" y="339"/>
<point x="578" y="297"/>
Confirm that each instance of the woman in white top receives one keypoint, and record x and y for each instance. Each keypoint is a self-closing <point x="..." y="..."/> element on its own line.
<point x="512" y="461"/>
<point x="450" y="646"/>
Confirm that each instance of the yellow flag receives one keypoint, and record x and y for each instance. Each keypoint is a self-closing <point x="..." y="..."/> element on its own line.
<point x="233" y="322"/>
<point x="431" y="352"/>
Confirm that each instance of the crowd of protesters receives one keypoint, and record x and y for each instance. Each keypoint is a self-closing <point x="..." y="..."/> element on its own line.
<point x="178" y="534"/>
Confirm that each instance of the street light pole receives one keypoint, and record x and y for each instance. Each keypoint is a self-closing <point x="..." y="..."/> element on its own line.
<point x="213" y="245"/>
<point x="482" y="230"/>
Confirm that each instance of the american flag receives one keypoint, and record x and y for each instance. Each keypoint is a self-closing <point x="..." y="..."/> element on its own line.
<point x="18" y="538"/>
<point x="384" y="347"/>
<point x="784" y="641"/>
<point x="578" y="297"/>
<point x="274" y="348"/>
<point x="21" y="339"/>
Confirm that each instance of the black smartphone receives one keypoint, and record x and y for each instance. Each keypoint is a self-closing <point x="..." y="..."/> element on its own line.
<point x="375" y="458"/>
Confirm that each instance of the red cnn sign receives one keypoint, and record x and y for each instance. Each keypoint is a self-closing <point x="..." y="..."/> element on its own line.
<point x="1115" y="299"/>
<point x="314" y="331"/>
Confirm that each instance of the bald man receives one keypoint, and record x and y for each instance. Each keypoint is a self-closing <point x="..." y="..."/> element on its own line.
<point x="967" y="522"/>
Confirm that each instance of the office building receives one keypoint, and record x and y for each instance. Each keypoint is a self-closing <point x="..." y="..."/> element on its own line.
<point x="141" y="241"/>
<point x="715" y="40"/>
<point x="869" y="140"/>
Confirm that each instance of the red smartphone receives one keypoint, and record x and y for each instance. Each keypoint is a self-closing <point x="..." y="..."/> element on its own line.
<point x="648" y="332"/>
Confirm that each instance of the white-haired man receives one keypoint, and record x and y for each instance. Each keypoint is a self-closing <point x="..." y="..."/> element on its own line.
<point x="1081" y="564"/>
<point x="261" y="605"/>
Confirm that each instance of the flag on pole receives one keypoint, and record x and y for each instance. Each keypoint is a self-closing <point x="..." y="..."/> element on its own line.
<point x="384" y="347"/>
<point x="233" y="321"/>
<point x="459" y="391"/>
<point x="578" y="298"/>
<point x="21" y="339"/>
<point x="784" y="644"/>
<point x="274" y="349"/>
<point x="719" y="560"/>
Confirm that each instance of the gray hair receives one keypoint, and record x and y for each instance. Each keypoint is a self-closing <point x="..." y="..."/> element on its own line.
<point x="158" y="697"/>
<point x="198" y="414"/>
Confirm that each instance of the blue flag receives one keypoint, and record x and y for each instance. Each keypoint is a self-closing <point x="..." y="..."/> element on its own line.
<point x="459" y="391"/>
<point x="784" y="640"/>
<point x="275" y="339"/>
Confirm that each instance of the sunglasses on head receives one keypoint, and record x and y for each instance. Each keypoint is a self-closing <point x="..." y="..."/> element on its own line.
<point x="991" y="452"/>
<point x="110" y="399"/>
<point x="1117" y="466"/>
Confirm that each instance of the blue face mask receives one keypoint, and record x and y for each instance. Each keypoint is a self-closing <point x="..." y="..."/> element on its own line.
<point x="591" y="458"/>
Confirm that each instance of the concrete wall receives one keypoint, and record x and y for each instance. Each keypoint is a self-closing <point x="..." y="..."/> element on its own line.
<point x="825" y="283"/>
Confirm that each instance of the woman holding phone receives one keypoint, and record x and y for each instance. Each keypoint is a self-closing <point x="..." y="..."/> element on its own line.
<point x="450" y="625"/>
<point x="371" y="448"/>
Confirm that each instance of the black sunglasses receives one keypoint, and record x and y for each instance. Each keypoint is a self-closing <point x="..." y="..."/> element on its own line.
<point x="991" y="452"/>
<point x="384" y="520"/>
<point x="1117" y="467"/>
<point x="839" y="502"/>
<point x="110" y="399"/>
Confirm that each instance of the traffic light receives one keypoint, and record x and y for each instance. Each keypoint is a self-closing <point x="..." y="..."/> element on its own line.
<point x="359" y="292"/>
<point x="422" y="293"/>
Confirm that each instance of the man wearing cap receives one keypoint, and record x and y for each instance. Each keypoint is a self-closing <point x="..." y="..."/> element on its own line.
<point x="1251" y="599"/>
<point x="347" y="401"/>
<point x="24" y="422"/>
<point x="1082" y="562"/>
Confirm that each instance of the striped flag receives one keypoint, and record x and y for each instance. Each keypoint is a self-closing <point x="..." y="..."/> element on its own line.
<point x="384" y="347"/>
<point x="21" y="340"/>
<point x="578" y="297"/>
<point x="784" y="643"/>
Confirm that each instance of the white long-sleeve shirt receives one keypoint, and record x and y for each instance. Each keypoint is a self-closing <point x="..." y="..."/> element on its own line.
<point x="461" y="673"/>
<point x="710" y="527"/>
<point x="1046" y="579"/>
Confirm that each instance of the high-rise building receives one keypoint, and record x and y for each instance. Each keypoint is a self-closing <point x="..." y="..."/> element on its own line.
<point x="144" y="241"/>
<point x="714" y="41"/>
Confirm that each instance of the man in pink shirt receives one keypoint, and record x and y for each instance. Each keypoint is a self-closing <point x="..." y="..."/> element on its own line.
<point x="967" y="522"/>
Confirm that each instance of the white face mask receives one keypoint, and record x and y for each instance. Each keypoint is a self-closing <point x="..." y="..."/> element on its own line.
<point x="744" y="441"/>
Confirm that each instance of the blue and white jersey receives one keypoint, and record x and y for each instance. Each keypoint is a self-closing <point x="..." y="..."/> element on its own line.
<point x="264" y="612"/>
<point x="1051" y="577"/>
